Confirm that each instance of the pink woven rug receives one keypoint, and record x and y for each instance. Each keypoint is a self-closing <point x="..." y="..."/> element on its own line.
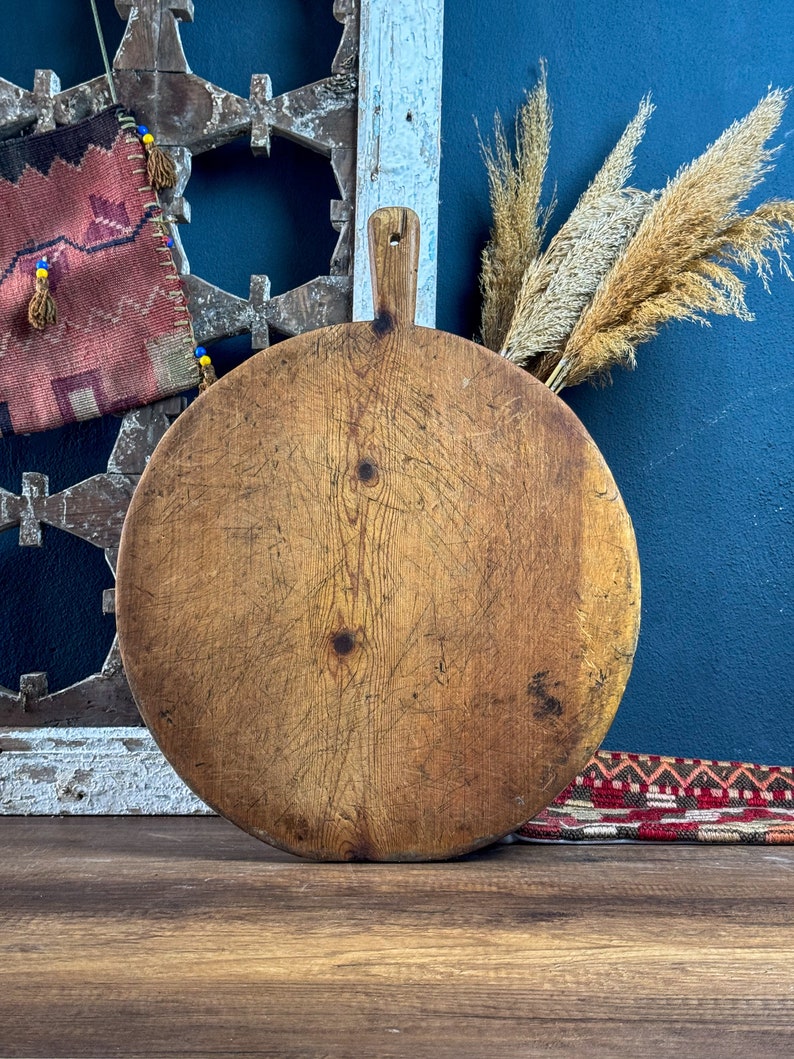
<point x="622" y="797"/>
<point x="79" y="198"/>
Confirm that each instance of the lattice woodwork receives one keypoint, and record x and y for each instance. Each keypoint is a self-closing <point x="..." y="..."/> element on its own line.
<point x="188" y="115"/>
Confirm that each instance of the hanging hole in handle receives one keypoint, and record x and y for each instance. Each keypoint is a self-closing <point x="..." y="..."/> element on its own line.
<point x="394" y="239"/>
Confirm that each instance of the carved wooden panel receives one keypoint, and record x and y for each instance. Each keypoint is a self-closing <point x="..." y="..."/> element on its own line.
<point x="188" y="115"/>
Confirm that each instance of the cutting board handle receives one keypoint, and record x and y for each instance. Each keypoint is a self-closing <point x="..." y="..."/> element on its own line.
<point x="394" y="264"/>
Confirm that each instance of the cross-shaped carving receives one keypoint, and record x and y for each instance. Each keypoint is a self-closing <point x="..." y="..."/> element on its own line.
<point x="151" y="40"/>
<point x="93" y="509"/>
<point x="188" y="115"/>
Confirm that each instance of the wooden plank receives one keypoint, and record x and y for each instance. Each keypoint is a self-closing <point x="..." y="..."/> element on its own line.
<point x="187" y="938"/>
<point x="88" y="771"/>
<point x="399" y="133"/>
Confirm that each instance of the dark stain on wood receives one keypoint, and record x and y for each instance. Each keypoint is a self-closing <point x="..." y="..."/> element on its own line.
<point x="383" y="324"/>
<point x="367" y="472"/>
<point x="361" y="853"/>
<point x="545" y="704"/>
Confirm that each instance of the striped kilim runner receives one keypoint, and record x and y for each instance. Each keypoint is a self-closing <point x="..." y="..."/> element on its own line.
<point x="642" y="797"/>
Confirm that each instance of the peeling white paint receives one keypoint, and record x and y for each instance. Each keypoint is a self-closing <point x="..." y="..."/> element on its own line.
<point x="399" y="134"/>
<point x="89" y="772"/>
<point x="218" y="97"/>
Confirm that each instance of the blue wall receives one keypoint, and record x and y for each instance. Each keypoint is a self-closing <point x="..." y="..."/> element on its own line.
<point x="698" y="436"/>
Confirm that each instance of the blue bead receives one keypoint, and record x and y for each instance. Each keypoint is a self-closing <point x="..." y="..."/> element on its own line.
<point x="142" y="130"/>
<point x="200" y="352"/>
<point x="169" y="242"/>
<point x="41" y="263"/>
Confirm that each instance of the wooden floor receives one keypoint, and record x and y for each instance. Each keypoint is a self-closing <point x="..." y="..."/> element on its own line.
<point x="185" y="937"/>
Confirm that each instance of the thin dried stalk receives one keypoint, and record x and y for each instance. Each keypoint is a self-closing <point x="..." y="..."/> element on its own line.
<point x="554" y="294"/>
<point x="519" y="220"/>
<point x="665" y="273"/>
<point x="557" y="285"/>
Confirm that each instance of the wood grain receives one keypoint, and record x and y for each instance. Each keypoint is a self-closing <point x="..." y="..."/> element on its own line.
<point x="377" y="591"/>
<point x="185" y="938"/>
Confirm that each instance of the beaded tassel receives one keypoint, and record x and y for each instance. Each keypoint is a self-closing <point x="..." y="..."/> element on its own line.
<point x="160" y="168"/>
<point x="206" y="370"/>
<point x="41" y="308"/>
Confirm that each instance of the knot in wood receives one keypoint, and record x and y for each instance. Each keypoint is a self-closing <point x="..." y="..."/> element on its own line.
<point x="367" y="472"/>
<point x="383" y="324"/>
<point x="343" y="642"/>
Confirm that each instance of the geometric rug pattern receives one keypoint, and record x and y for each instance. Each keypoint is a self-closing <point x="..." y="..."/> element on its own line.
<point x="644" y="797"/>
<point x="79" y="198"/>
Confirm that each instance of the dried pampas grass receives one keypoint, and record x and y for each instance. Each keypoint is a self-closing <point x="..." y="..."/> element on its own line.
<point x="628" y="261"/>
<point x="519" y="221"/>
<point x="676" y="266"/>
<point x="559" y="283"/>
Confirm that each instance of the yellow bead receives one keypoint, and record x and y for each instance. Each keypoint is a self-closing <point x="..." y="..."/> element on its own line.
<point x="148" y="138"/>
<point x="205" y="361"/>
<point x="42" y="272"/>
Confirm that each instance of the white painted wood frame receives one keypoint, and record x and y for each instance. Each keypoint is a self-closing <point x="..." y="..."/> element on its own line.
<point x="120" y="771"/>
<point x="399" y="134"/>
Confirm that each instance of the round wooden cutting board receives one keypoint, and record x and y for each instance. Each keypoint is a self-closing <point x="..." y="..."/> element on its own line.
<point x="378" y="594"/>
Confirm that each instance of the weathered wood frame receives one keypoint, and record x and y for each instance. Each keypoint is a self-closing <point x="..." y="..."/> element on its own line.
<point x="381" y="134"/>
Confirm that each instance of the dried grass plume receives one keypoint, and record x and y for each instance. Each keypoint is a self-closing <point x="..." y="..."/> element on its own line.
<point x="559" y="283"/>
<point x="626" y="261"/>
<point x="676" y="266"/>
<point x="515" y="180"/>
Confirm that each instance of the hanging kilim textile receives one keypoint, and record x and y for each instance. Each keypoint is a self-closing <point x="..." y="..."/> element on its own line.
<point x="669" y="799"/>
<point x="77" y="201"/>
